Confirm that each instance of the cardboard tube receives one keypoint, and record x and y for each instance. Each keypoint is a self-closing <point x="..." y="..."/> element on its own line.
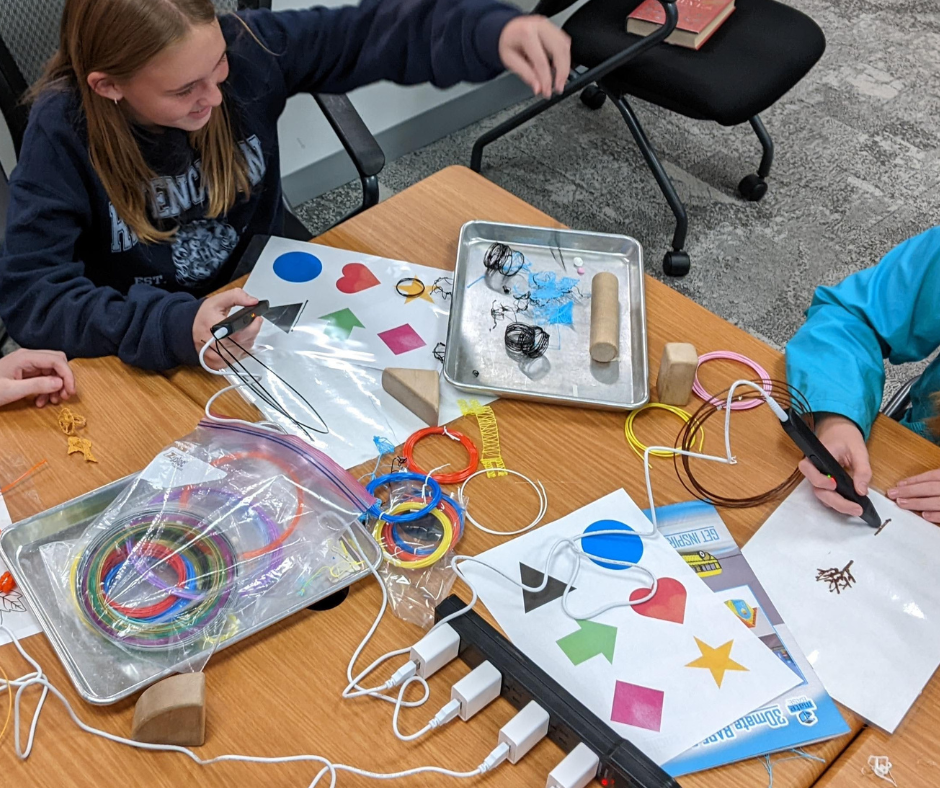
<point x="605" y="317"/>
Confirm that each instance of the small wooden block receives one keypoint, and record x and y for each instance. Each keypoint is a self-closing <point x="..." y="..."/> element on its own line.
<point x="605" y="317"/>
<point x="419" y="390"/>
<point x="172" y="711"/>
<point x="676" y="373"/>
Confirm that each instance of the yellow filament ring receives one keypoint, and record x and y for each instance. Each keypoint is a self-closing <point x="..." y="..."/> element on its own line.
<point x="425" y="561"/>
<point x="639" y="448"/>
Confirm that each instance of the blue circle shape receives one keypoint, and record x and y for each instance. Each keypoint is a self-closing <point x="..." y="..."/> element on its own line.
<point x="298" y="267"/>
<point x="628" y="547"/>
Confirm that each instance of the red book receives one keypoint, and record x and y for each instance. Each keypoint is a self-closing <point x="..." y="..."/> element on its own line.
<point x="698" y="20"/>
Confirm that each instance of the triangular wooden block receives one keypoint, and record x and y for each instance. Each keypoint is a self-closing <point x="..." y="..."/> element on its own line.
<point x="172" y="711"/>
<point x="418" y="390"/>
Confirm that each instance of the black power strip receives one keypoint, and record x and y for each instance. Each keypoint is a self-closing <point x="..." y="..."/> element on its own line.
<point x="622" y="765"/>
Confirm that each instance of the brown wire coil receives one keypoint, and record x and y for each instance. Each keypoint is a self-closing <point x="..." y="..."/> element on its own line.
<point x="786" y="396"/>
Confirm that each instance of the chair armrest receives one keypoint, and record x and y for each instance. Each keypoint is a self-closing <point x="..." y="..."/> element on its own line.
<point x="353" y="134"/>
<point x="614" y="62"/>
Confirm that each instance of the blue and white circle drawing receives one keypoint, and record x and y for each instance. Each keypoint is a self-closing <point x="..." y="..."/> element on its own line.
<point x="298" y="267"/>
<point x="628" y="547"/>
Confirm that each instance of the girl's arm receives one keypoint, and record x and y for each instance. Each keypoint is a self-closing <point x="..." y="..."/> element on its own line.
<point x="334" y="50"/>
<point x="46" y="301"/>
<point x="888" y="311"/>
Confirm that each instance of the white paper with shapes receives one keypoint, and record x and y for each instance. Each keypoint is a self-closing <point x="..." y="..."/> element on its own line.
<point x="14" y="612"/>
<point x="665" y="676"/>
<point x="339" y="322"/>
<point x="876" y="643"/>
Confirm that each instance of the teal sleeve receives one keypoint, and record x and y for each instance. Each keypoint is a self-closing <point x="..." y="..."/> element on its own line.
<point x="889" y="311"/>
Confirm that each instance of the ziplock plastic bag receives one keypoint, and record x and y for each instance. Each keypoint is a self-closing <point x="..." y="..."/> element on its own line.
<point x="417" y="554"/>
<point x="228" y="530"/>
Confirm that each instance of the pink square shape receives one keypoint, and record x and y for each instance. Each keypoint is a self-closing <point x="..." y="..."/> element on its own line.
<point x="402" y="339"/>
<point x="638" y="706"/>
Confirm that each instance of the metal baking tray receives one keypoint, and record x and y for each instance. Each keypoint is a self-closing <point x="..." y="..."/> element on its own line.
<point x="110" y="674"/>
<point x="476" y="358"/>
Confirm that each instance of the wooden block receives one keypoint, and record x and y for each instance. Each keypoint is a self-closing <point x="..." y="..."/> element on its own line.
<point x="172" y="711"/>
<point x="676" y="373"/>
<point x="605" y="317"/>
<point x="419" y="390"/>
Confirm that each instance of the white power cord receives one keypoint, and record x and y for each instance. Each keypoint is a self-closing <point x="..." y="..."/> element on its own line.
<point x="727" y="459"/>
<point x="268" y="425"/>
<point x="38" y="679"/>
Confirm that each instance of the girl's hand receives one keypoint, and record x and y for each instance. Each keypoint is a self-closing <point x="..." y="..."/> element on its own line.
<point x="532" y="48"/>
<point x="919" y="494"/>
<point x="215" y="309"/>
<point x="43" y="374"/>
<point x="846" y="443"/>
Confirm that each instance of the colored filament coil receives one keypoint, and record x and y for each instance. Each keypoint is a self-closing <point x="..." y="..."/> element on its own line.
<point x="639" y="448"/>
<point x="397" y="557"/>
<point x="743" y="403"/>
<point x="129" y="556"/>
<point x="442" y="478"/>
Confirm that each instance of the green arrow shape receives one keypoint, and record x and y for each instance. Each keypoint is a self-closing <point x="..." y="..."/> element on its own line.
<point x="341" y="323"/>
<point x="590" y="640"/>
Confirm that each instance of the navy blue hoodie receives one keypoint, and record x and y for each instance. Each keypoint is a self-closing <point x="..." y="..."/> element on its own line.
<point x="73" y="276"/>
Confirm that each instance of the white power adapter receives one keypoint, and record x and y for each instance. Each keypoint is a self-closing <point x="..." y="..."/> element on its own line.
<point x="577" y="769"/>
<point x="524" y="731"/>
<point x="476" y="690"/>
<point x="435" y="650"/>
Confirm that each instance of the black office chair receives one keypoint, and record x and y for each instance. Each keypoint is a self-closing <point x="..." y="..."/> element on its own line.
<point x="29" y="34"/>
<point x="898" y="403"/>
<point x="761" y="51"/>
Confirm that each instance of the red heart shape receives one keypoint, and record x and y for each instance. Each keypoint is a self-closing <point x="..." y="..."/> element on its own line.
<point x="356" y="278"/>
<point x="667" y="605"/>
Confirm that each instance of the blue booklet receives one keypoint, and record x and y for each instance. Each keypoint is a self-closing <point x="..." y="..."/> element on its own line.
<point x="803" y="715"/>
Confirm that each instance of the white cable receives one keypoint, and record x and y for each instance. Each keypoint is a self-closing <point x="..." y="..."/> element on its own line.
<point x="572" y="543"/>
<point x="539" y="490"/>
<point x="353" y="688"/>
<point x="727" y="459"/>
<point x="38" y="679"/>
<point x="223" y="420"/>
<point x="449" y="712"/>
<point x="202" y="360"/>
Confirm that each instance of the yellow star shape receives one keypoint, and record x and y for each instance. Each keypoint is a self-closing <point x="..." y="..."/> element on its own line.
<point x="414" y="290"/>
<point x="717" y="660"/>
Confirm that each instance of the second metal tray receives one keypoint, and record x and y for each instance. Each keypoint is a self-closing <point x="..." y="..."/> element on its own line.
<point x="476" y="356"/>
<point x="108" y="674"/>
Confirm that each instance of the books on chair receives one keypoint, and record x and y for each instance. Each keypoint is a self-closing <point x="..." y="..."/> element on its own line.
<point x="698" y="20"/>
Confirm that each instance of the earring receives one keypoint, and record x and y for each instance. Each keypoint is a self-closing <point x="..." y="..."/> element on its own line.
<point x="115" y="102"/>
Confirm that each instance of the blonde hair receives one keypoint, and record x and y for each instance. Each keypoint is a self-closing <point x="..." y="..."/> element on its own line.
<point x="89" y="42"/>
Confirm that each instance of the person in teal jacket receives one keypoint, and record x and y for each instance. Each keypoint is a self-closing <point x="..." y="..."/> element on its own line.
<point x="836" y="359"/>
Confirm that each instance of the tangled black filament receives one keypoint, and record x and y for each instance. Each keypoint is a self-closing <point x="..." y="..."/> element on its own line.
<point x="525" y="340"/>
<point x="501" y="259"/>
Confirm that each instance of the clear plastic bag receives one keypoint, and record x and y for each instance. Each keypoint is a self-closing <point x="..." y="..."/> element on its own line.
<point x="417" y="554"/>
<point x="228" y="530"/>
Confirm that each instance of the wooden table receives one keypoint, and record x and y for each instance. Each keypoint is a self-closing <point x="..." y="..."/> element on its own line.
<point x="913" y="749"/>
<point x="277" y="693"/>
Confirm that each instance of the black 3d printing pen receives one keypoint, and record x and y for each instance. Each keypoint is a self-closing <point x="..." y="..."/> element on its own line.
<point x="807" y="442"/>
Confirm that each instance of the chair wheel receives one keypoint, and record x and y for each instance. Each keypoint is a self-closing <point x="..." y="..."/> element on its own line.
<point x="593" y="97"/>
<point x="752" y="187"/>
<point x="676" y="263"/>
